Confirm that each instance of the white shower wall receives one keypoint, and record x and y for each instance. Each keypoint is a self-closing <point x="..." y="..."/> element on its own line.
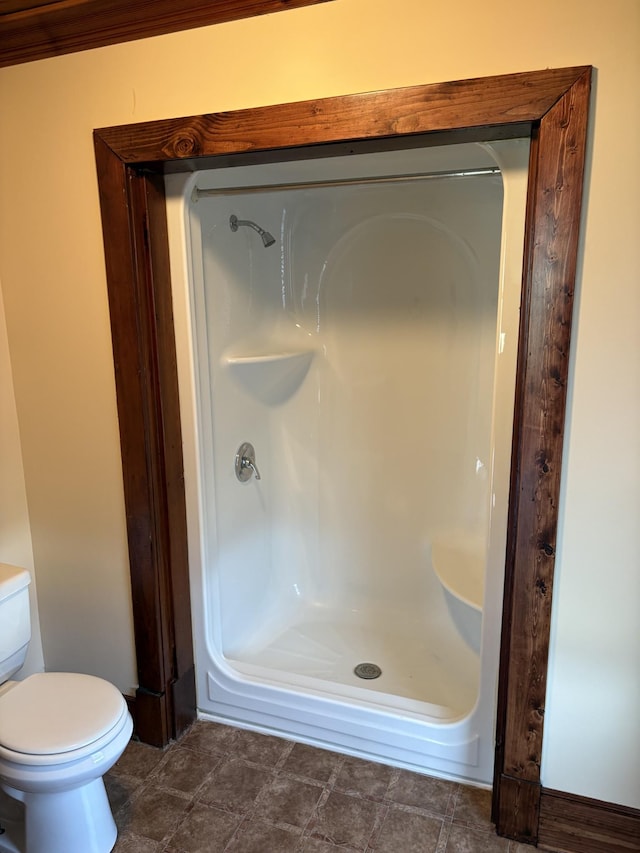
<point x="369" y="356"/>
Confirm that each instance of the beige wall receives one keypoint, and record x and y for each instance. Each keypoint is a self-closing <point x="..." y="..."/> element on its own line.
<point x="53" y="281"/>
<point x="15" y="532"/>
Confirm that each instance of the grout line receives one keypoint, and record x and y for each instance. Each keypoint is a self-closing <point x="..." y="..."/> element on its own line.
<point x="443" y="838"/>
<point x="452" y="805"/>
<point x="237" y="831"/>
<point x="286" y="752"/>
<point x="378" y="824"/>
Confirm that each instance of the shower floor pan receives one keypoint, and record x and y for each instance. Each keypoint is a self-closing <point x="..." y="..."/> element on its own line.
<point x="421" y="661"/>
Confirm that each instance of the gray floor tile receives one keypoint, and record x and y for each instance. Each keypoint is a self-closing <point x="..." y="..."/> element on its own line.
<point x="120" y="790"/>
<point x="317" y="845"/>
<point x="346" y="820"/>
<point x="153" y="813"/>
<point x="129" y="843"/>
<point x="473" y="807"/>
<point x="261" y="749"/>
<point x="138" y="760"/>
<point x="408" y="832"/>
<point x="424" y="792"/>
<point x="304" y="760"/>
<point x="256" y="836"/>
<point x="205" y="830"/>
<point x="209" y="737"/>
<point x="288" y="801"/>
<point x="363" y="777"/>
<point x="184" y="770"/>
<point x="234" y="785"/>
<point x="463" y="839"/>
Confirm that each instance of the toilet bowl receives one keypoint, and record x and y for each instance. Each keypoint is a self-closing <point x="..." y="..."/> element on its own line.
<point x="59" y="733"/>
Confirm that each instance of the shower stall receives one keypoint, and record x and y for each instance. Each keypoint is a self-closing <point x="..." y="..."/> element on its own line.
<point x="347" y="332"/>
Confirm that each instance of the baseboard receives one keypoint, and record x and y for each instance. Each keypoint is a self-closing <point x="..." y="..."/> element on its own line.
<point x="131" y="705"/>
<point x="145" y="724"/>
<point x="574" y="824"/>
<point x="516" y="808"/>
<point x="183" y="694"/>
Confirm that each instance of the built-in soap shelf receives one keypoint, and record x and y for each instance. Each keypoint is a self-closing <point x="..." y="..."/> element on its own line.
<point x="459" y="563"/>
<point x="284" y="358"/>
<point x="270" y="375"/>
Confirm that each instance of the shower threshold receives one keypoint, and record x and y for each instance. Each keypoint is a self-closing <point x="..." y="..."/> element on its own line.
<point x="419" y="661"/>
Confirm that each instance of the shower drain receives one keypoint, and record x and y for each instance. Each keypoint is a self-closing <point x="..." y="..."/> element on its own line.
<point x="368" y="670"/>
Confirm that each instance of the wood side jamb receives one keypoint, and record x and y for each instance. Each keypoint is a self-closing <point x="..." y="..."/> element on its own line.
<point x="553" y="218"/>
<point x="134" y="351"/>
<point x="170" y="474"/>
<point x="507" y="629"/>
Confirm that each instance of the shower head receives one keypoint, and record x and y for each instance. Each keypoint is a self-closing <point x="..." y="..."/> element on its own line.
<point x="267" y="239"/>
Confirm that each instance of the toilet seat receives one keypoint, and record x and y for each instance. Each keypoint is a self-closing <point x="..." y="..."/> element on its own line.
<point x="58" y="717"/>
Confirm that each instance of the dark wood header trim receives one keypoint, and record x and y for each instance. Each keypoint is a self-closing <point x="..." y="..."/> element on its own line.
<point x="510" y="102"/>
<point x="30" y="31"/>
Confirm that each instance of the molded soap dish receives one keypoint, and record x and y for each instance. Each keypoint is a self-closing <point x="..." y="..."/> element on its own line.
<point x="271" y="377"/>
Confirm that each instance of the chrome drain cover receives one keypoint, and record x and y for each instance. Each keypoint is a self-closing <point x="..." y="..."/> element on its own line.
<point x="368" y="670"/>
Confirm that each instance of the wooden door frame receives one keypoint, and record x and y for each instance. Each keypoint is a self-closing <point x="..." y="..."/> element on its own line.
<point x="551" y="107"/>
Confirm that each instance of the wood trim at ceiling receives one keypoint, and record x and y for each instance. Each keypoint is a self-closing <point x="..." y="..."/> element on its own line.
<point x="39" y="30"/>
<point x="551" y="106"/>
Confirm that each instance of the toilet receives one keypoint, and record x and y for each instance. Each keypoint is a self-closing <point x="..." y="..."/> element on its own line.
<point x="59" y="734"/>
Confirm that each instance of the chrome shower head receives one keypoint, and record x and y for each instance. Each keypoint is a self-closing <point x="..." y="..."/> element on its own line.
<point x="267" y="239"/>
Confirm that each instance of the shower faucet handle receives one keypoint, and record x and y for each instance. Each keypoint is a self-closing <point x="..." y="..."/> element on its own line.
<point x="246" y="463"/>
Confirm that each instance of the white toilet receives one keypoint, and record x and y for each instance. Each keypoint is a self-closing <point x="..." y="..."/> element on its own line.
<point x="59" y="733"/>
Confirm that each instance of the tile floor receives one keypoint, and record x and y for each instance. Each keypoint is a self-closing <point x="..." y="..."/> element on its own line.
<point x="226" y="789"/>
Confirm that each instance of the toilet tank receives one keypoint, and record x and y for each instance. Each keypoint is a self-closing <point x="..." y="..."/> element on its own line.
<point x="15" y="619"/>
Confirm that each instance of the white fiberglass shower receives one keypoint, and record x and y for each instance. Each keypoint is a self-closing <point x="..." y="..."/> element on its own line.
<point x="347" y="333"/>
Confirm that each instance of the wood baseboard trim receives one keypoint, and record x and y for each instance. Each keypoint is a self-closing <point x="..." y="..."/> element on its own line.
<point x="184" y="706"/>
<point x="150" y="717"/>
<point x="573" y="824"/>
<point x="131" y="705"/>
<point x="183" y="694"/>
<point x="516" y="808"/>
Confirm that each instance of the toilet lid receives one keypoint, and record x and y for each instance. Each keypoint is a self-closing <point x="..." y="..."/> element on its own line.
<point x="56" y="712"/>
